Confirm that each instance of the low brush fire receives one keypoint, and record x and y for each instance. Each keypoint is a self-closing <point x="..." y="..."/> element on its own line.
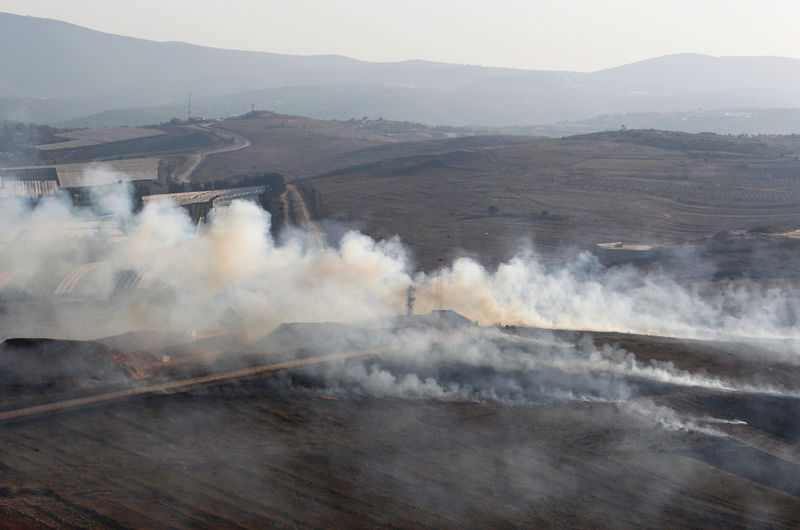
<point x="270" y="358"/>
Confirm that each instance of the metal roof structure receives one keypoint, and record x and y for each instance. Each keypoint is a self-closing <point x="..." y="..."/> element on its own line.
<point x="27" y="188"/>
<point x="107" y="172"/>
<point x="219" y="197"/>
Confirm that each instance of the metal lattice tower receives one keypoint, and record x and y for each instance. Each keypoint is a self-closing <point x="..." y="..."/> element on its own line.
<point x="410" y="299"/>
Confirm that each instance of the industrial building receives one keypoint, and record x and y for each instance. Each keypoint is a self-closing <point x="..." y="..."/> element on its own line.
<point x="40" y="181"/>
<point x="200" y="204"/>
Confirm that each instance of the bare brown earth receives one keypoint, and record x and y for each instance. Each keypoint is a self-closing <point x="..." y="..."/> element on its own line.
<point x="173" y="140"/>
<point x="184" y="174"/>
<point x="282" y="449"/>
<point x="562" y="195"/>
<point x="276" y="451"/>
<point x="217" y="460"/>
<point x="301" y="147"/>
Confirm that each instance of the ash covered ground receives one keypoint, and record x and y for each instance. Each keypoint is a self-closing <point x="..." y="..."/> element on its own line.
<point x="550" y="395"/>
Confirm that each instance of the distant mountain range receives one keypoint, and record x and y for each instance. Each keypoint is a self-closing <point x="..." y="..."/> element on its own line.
<point x="58" y="73"/>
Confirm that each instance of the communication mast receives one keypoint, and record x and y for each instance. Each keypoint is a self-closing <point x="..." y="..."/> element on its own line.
<point x="189" y="109"/>
<point x="410" y="299"/>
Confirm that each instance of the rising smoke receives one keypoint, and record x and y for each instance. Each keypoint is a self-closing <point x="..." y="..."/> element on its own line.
<point x="232" y="275"/>
<point x="62" y="272"/>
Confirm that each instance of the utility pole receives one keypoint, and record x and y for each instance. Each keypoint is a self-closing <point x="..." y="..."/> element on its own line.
<point x="438" y="294"/>
<point x="410" y="299"/>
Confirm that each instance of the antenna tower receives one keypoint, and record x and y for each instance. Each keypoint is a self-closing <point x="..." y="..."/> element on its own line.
<point x="189" y="109"/>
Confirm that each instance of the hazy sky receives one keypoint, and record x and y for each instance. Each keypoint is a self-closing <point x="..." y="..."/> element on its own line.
<point x="553" y="34"/>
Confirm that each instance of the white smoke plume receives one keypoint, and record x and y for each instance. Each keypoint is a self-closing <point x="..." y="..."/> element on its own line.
<point x="229" y="276"/>
<point x="232" y="276"/>
<point x="67" y="272"/>
<point x="667" y="418"/>
<point x="485" y="364"/>
<point x="584" y="295"/>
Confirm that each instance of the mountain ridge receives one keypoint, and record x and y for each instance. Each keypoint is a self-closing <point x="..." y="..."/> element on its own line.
<point x="44" y="60"/>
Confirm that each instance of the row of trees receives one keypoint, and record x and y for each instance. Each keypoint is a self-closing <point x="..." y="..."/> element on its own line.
<point x="17" y="139"/>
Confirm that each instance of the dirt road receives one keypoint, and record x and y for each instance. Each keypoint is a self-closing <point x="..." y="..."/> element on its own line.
<point x="195" y="159"/>
<point x="296" y="212"/>
<point x="174" y="386"/>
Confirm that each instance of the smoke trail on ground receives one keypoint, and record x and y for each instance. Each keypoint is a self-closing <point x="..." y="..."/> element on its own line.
<point x="480" y="364"/>
<point x="669" y="419"/>
<point x="487" y="365"/>
<point x="62" y="271"/>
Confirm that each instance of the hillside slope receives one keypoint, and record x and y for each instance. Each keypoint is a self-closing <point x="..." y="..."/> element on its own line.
<point x="566" y="194"/>
<point x="87" y="71"/>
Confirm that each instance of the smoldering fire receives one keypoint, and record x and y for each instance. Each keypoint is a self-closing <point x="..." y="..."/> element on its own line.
<point x="62" y="268"/>
<point x="232" y="274"/>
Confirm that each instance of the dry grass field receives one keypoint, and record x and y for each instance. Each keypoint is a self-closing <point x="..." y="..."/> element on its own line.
<point x="86" y="137"/>
<point x="567" y="194"/>
<point x="284" y="450"/>
<point x="430" y="422"/>
<point x="300" y="147"/>
<point x="89" y="145"/>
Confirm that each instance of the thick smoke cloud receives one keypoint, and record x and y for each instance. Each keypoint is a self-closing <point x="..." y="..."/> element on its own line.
<point x="232" y="276"/>
<point x="68" y="272"/>
<point x="584" y="295"/>
<point x="229" y="276"/>
<point x="486" y="364"/>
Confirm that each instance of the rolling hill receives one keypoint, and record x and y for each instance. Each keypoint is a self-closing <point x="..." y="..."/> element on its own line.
<point x="563" y="195"/>
<point x="51" y="71"/>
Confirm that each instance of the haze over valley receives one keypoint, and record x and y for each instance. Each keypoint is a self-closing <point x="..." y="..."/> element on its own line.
<point x="56" y="73"/>
<point x="248" y="289"/>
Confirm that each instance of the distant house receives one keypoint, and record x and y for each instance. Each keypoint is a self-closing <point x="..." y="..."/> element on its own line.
<point x="78" y="179"/>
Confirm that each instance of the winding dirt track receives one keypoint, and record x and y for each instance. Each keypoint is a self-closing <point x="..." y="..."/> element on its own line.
<point x="295" y="211"/>
<point x="174" y="386"/>
<point x="239" y="142"/>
